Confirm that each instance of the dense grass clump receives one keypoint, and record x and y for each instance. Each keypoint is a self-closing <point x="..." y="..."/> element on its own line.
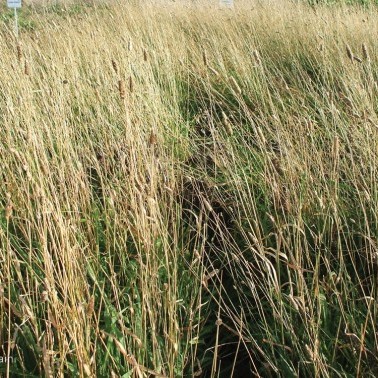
<point x="188" y="190"/>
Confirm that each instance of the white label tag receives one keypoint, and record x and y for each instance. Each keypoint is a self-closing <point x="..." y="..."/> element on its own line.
<point x="14" y="3"/>
<point x="226" y="3"/>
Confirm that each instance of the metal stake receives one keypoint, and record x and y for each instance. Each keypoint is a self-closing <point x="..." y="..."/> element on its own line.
<point x="16" y="22"/>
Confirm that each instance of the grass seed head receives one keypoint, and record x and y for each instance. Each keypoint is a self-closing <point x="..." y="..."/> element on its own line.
<point x="121" y="89"/>
<point x="207" y="204"/>
<point x="349" y="53"/>
<point x="235" y="85"/>
<point x="152" y="139"/>
<point x="336" y="147"/>
<point x="87" y="370"/>
<point x="8" y="210"/>
<point x="44" y="296"/>
<point x="227" y="123"/>
<point x="357" y="59"/>
<point x="365" y="52"/>
<point x="131" y="84"/>
<point x="97" y="94"/>
<point x="27" y="68"/>
<point x="19" y="52"/>
<point x="90" y="307"/>
<point x="256" y="55"/>
<point x="213" y="70"/>
<point x="115" y="66"/>
<point x="204" y="58"/>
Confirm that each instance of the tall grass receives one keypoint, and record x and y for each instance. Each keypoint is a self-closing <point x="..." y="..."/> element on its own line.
<point x="188" y="190"/>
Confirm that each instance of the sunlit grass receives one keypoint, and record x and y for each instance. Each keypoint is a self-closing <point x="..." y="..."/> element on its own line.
<point x="189" y="190"/>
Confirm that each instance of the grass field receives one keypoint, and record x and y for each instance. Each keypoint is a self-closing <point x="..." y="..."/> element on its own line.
<point x="189" y="191"/>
